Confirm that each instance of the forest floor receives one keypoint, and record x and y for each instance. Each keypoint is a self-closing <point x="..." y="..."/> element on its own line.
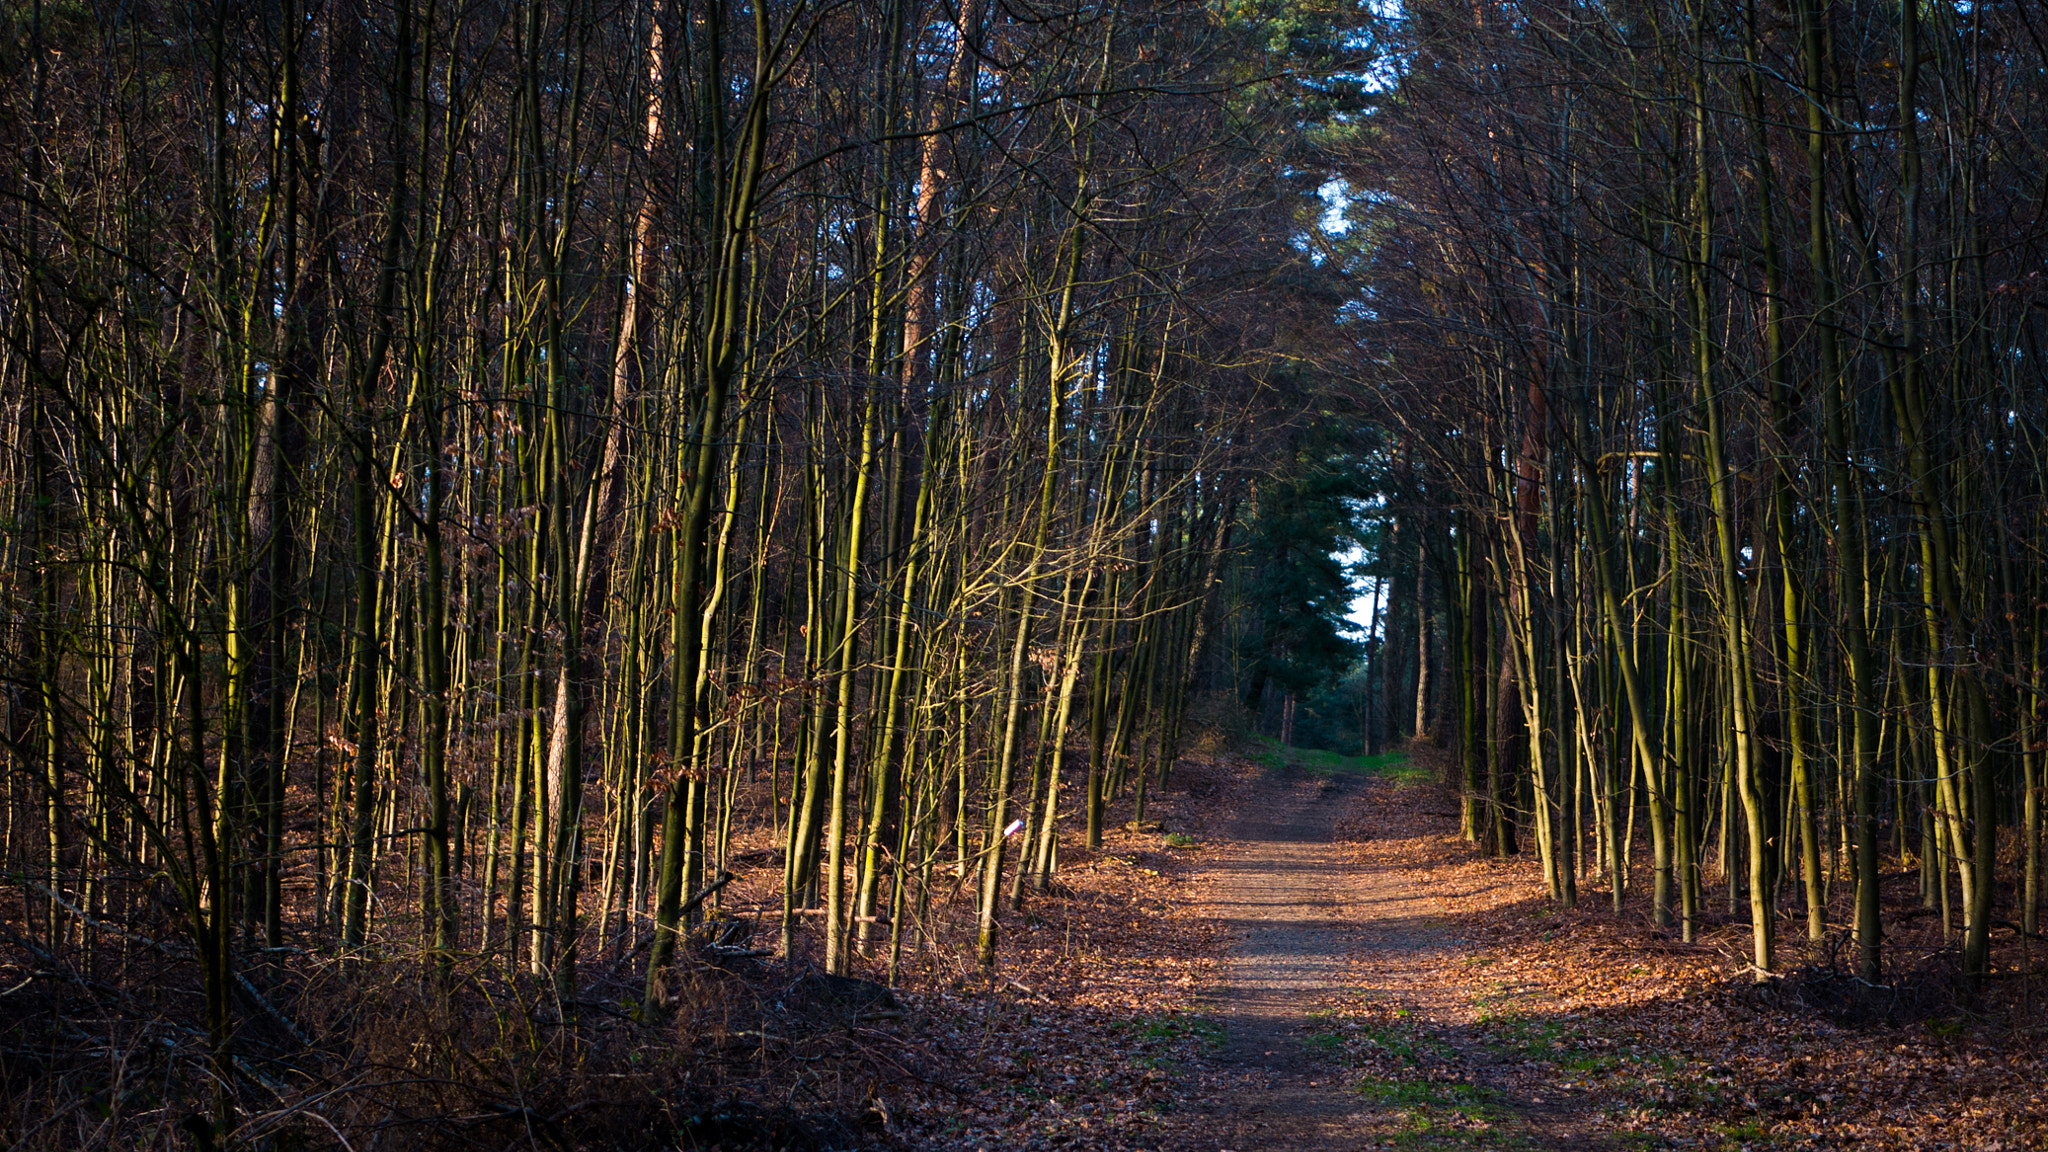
<point x="1306" y="955"/>
<point x="1296" y="952"/>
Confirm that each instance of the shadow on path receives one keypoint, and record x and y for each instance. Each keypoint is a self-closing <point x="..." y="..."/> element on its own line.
<point x="1299" y="912"/>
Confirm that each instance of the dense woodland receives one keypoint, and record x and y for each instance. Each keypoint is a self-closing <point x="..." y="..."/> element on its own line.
<point x="466" y="464"/>
<point x="1713" y="336"/>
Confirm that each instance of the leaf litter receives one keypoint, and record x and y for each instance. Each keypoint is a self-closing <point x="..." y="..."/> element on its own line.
<point x="1503" y="1021"/>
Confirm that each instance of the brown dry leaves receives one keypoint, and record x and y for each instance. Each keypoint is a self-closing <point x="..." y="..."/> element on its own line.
<point x="1607" y="1017"/>
<point x="1082" y="1038"/>
<point x="1539" y="1026"/>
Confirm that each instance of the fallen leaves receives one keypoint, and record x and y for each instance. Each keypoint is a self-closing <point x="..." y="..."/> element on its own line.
<point x="1093" y="1056"/>
<point x="1673" y="1043"/>
<point x="1542" y="1026"/>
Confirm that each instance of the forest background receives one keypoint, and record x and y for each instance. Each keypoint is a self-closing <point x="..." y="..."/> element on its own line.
<point x="469" y="465"/>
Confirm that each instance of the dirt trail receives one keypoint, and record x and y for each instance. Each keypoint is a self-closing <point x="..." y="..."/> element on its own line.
<point x="1312" y="931"/>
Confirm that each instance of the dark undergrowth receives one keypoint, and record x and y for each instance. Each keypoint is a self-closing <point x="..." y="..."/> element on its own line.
<point x="105" y="1051"/>
<point x="105" y="1047"/>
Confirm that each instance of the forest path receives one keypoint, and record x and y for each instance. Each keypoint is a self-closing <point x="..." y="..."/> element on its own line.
<point x="1336" y="970"/>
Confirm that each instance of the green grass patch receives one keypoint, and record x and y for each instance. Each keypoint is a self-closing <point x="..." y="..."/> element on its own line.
<point x="1178" y="840"/>
<point x="1448" y="1096"/>
<point x="1946" y="1029"/>
<point x="1175" y="1026"/>
<point x="1742" y="1135"/>
<point x="1272" y="758"/>
<point x="1587" y="1063"/>
<point x="1415" y="1079"/>
<point x="1322" y="764"/>
<point x="1354" y="1040"/>
<point x="1324" y="1043"/>
<point x="1448" y="1114"/>
<point x="1511" y="1033"/>
<point x="1409" y="1049"/>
